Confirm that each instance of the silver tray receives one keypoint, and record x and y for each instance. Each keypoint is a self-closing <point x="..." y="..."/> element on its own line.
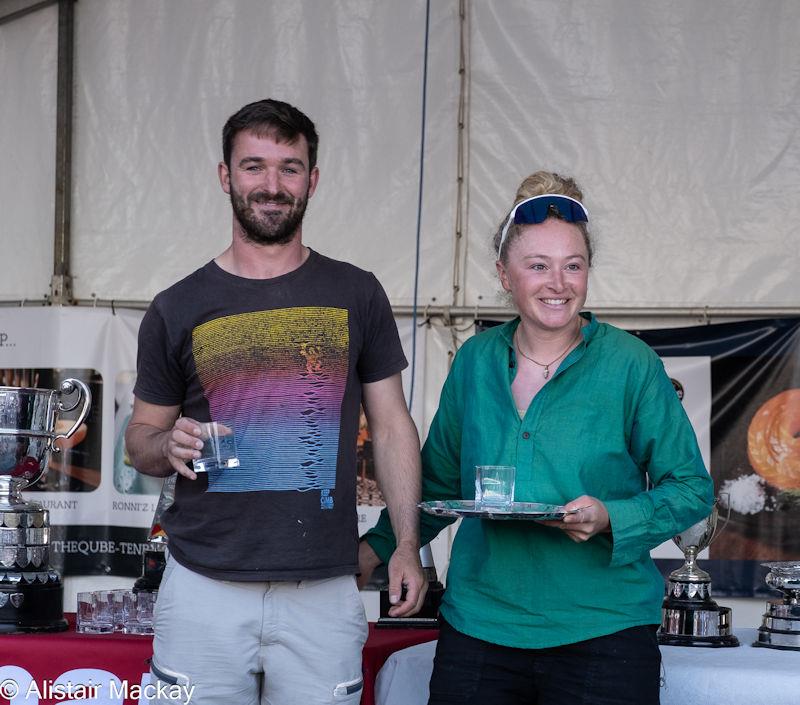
<point x="519" y="510"/>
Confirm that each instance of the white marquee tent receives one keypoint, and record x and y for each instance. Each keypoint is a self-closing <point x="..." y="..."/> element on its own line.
<point x="679" y="118"/>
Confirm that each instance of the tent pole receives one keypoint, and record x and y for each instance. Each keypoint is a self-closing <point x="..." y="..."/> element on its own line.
<point x="61" y="283"/>
<point x="450" y="313"/>
<point x="23" y="10"/>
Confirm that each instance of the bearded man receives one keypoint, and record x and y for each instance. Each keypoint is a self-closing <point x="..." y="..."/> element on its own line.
<point x="279" y="345"/>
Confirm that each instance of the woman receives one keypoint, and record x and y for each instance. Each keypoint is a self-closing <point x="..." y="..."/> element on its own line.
<point x="556" y="612"/>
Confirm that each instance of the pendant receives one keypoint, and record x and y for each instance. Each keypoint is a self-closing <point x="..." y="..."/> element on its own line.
<point x="546" y="371"/>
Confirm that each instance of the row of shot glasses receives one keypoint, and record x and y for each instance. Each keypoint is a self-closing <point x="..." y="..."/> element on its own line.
<point x="107" y="611"/>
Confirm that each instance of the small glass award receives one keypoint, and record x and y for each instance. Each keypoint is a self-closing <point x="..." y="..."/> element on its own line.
<point x="219" y="448"/>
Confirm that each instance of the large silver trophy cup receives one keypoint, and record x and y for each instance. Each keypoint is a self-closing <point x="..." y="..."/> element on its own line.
<point x="780" y="625"/>
<point x="31" y="592"/>
<point x="689" y="617"/>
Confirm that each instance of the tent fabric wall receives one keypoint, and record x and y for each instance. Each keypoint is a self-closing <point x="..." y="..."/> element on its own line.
<point x="157" y="82"/>
<point x="28" y="57"/>
<point x="679" y="118"/>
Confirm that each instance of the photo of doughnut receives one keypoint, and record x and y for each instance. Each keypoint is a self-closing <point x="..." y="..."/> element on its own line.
<point x="755" y="459"/>
<point x="754" y="441"/>
<point x="773" y="440"/>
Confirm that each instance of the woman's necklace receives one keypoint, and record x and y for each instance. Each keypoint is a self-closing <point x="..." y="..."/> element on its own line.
<point x="546" y="365"/>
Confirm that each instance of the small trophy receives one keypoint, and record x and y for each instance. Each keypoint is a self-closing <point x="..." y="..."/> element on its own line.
<point x="780" y="625"/>
<point x="689" y="617"/>
<point x="31" y="592"/>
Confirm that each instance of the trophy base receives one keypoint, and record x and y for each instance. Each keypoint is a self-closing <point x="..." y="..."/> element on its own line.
<point x="780" y="627"/>
<point x="32" y="606"/>
<point x="777" y="640"/>
<point x="59" y="626"/>
<point x="688" y="640"/>
<point x="426" y="618"/>
<point x="31" y="593"/>
<point x="407" y="623"/>
<point x="689" y="617"/>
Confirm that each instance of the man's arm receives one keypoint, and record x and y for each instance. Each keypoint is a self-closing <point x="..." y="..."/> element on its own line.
<point x="398" y="471"/>
<point x="159" y="441"/>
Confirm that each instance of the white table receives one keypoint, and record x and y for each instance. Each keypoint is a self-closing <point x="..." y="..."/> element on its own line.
<point x="692" y="676"/>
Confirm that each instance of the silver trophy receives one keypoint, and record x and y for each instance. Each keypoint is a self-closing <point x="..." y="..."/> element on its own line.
<point x="689" y="617"/>
<point x="31" y="592"/>
<point x="780" y="625"/>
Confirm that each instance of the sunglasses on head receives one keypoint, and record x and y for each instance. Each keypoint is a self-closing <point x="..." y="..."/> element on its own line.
<point x="537" y="209"/>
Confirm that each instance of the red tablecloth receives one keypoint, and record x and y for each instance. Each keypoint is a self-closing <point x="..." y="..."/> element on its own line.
<point x="382" y="643"/>
<point x="41" y="665"/>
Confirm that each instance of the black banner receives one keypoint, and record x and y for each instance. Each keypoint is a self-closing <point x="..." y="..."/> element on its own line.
<point x="98" y="550"/>
<point x="755" y="443"/>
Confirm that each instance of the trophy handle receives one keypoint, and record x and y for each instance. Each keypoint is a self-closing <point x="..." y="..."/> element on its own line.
<point x="717" y="528"/>
<point x="68" y="386"/>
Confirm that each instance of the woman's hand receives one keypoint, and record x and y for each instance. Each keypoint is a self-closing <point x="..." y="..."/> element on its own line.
<point x="590" y="519"/>
<point x="367" y="562"/>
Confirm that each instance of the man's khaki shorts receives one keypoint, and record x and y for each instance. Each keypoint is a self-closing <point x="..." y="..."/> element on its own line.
<point x="267" y="643"/>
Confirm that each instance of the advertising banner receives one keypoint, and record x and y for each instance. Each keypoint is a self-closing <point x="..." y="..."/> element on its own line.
<point x="100" y="507"/>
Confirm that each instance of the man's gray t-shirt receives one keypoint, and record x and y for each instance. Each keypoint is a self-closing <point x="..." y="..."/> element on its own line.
<point x="282" y="361"/>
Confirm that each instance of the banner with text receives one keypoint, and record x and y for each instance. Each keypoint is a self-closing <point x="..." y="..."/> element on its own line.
<point x="100" y="507"/>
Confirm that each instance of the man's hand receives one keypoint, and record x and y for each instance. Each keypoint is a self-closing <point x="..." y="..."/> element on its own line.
<point x="183" y="443"/>
<point x="405" y="573"/>
<point x="160" y="441"/>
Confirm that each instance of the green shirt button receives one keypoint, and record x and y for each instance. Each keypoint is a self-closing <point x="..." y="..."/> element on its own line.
<point x="526" y="435"/>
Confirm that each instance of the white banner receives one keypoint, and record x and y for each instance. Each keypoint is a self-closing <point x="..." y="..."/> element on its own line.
<point x="100" y="508"/>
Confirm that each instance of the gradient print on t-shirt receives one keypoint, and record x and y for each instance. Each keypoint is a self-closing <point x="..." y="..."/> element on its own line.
<point x="278" y="377"/>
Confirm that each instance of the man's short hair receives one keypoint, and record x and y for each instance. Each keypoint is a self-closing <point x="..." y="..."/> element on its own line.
<point x="273" y="118"/>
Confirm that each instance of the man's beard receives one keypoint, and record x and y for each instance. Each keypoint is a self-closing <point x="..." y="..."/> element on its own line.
<point x="273" y="228"/>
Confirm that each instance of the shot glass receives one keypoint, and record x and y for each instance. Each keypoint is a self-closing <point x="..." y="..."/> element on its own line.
<point x="84" y="615"/>
<point x="219" y="448"/>
<point x="139" y="608"/>
<point x="93" y="614"/>
<point x="494" y="486"/>
<point x="118" y="607"/>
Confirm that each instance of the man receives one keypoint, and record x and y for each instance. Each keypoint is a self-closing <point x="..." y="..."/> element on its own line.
<point x="280" y="344"/>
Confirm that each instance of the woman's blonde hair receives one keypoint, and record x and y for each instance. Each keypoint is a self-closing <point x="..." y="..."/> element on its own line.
<point x="538" y="184"/>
